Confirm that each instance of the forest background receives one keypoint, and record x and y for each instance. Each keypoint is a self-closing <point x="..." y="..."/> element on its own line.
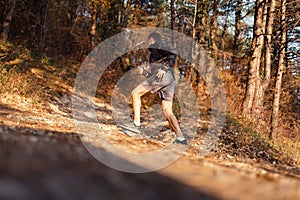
<point x="254" y="44"/>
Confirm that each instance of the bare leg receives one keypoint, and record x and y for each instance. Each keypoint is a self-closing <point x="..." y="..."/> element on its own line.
<point x="168" y="112"/>
<point x="136" y="95"/>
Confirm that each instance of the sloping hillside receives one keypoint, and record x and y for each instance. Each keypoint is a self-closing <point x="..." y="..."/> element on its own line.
<point x="44" y="155"/>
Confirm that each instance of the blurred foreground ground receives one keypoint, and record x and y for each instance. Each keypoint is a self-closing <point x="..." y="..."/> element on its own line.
<point x="42" y="157"/>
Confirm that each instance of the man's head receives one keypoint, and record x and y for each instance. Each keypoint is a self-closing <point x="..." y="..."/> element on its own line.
<point x="153" y="37"/>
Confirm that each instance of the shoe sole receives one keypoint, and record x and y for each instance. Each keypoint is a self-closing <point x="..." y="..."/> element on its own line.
<point x="129" y="133"/>
<point x="123" y="127"/>
<point x="179" y="142"/>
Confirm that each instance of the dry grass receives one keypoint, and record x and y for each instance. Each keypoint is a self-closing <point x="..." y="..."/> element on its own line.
<point x="27" y="80"/>
<point x="289" y="147"/>
<point x="287" y="143"/>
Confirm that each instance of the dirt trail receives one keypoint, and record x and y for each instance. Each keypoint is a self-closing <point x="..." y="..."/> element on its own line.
<point x="42" y="157"/>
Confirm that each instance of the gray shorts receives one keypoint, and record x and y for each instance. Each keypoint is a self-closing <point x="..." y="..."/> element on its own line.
<point x="165" y="87"/>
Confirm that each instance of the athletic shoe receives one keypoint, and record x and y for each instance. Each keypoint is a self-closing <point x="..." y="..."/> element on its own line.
<point x="184" y="142"/>
<point x="131" y="127"/>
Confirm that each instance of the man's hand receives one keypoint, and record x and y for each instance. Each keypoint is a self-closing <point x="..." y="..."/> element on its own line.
<point x="140" y="70"/>
<point x="160" y="73"/>
<point x="144" y="69"/>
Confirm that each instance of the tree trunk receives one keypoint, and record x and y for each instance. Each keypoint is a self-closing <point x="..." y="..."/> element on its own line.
<point x="203" y="20"/>
<point x="213" y="28"/>
<point x="223" y="38"/>
<point x="127" y="13"/>
<point x="268" y="55"/>
<point x="195" y="19"/>
<point x="254" y="72"/>
<point x="43" y="28"/>
<point x="93" y="28"/>
<point x="172" y="14"/>
<point x="172" y="18"/>
<point x="238" y="17"/>
<point x="281" y="67"/>
<point x="257" y="108"/>
<point x="194" y="51"/>
<point x="119" y="16"/>
<point x="7" y="20"/>
<point x="263" y="82"/>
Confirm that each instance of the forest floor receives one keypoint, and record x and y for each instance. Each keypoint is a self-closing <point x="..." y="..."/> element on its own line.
<point x="43" y="157"/>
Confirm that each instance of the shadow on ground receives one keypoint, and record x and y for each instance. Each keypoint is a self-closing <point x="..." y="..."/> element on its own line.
<point x="56" y="165"/>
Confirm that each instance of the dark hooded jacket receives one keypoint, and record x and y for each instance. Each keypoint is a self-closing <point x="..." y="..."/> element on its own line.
<point x="163" y="53"/>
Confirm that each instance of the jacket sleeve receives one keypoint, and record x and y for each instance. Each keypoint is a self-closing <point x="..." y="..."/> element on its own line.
<point x="170" y="54"/>
<point x="172" y="60"/>
<point x="163" y="52"/>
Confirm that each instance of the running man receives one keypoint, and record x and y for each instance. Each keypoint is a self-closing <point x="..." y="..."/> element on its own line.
<point x="161" y="79"/>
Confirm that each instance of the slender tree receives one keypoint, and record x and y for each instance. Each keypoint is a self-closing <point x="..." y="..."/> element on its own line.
<point x="214" y="27"/>
<point x="280" y="70"/>
<point x="237" y="32"/>
<point x="7" y="20"/>
<point x="204" y="15"/>
<point x="43" y="26"/>
<point x="195" y="19"/>
<point x="127" y="13"/>
<point x="269" y="49"/>
<point x="93" y="28"/>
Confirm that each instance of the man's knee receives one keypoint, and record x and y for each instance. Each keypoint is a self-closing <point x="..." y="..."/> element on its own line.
<point x="138" y="92"/>
<point x="134" y="94"/>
